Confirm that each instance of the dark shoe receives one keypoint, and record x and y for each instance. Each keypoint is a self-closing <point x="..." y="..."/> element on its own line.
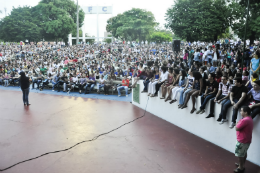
<point x="28" y="104"/>
<point x="209" y="116"/>
<point x="239" y="170"/>
<point x="219" y="119"/>
<point x="237" y="164"/>
<point x="192" y="111"/>
<point x="184" y="107"/>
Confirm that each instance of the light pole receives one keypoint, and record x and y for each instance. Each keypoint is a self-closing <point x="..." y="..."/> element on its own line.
<point x="77" y="40"/>
<point x="247" y="13"/>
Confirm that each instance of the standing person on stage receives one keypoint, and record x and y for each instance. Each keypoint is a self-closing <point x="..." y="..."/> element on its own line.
<point x="244" y="130"/>
<point x="25" y="84"/>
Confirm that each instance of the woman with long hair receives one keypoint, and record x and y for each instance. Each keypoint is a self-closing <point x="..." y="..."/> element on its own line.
<point x="25" y="84"/>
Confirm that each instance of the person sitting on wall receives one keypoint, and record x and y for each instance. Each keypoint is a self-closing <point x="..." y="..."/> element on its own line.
<point x="211" y="91"/>
<point x="223" y="94"/>
<point x="237" y="96"/>
<point x="253" y="101"/>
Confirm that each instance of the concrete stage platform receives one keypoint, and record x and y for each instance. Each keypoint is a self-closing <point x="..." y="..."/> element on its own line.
<point x="148" y="145"/>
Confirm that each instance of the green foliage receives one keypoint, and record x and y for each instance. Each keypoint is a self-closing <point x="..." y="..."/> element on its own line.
<point x="20" y="25"/>
<point x="198" y="19"/>
<point x="74" y="33"/>
<point x="227" y="34"/>
<point x="49" y="20"/>
<point x="239" y="11"/>
<point x="160" y="37"/>
<point x="132" y="25"/>
<point x="90" y="41"/>
<point x="108" y="40"/>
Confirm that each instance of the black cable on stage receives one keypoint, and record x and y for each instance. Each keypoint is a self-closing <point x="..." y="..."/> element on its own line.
<point x="96" y="137"/>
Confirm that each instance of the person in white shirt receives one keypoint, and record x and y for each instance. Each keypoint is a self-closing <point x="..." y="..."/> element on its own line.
<point x="162" y="79"/>
<point x="209" y="54"/>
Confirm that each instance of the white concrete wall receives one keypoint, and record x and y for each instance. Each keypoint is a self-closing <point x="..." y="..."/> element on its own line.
<point x="208" y="129"/>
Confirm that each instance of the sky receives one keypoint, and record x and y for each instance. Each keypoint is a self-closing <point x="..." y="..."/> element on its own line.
<point x="158" y="8"/>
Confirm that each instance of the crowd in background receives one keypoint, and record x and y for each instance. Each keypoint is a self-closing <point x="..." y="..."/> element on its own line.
<point x="211" y="69"/>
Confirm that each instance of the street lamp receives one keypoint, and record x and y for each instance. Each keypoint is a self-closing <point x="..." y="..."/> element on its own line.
<point x="245" y="35"/>
<point x="77" y="40"/>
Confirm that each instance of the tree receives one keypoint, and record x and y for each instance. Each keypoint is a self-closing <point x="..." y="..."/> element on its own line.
<point x="133" y="24"/>
<point x="226" y="34"/>
<point x="160" y="37"/>
<point x="90" y="41"/>
<point x="238" y="10"/>
<point x="198" y="19"/>
<point x="57" y="18"/>
<point x="108" y="40"/>
<point x="20" y="25"/>
<point x="49" y="20"/>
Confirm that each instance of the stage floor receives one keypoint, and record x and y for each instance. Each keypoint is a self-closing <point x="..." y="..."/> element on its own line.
<point x="148" y="145"/>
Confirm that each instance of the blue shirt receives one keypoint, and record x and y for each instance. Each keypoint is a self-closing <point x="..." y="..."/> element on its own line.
<point x="154" y="51"/>
<point x="255" y="63"/>
<point x="212" y="69"/>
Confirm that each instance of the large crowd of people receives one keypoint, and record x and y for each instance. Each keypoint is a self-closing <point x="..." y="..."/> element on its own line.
<point x="210" y="70"/>
<point x="220" y="72"/>
<point x="214" y="72"/>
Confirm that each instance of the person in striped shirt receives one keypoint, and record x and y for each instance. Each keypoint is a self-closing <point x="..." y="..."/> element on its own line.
<point x="223" y="94"/>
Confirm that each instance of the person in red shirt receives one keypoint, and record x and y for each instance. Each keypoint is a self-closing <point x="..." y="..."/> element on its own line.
<point x="75" y="60"/>
<point x="125" y="84"/>
<point x="244" y="130"/>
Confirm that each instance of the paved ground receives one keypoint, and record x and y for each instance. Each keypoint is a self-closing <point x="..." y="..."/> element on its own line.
<point x="55" y="122"/>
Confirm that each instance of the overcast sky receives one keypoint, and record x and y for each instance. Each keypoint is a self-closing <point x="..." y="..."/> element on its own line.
<point x="158" y="8"/>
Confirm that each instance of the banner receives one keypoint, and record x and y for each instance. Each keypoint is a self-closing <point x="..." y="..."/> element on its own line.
<point x="97" y="9"/>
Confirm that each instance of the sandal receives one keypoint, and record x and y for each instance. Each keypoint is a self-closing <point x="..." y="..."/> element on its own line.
<point x="171" y="102"/>
<point x="184" y="107"/>
<point x="192" y="111"/>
